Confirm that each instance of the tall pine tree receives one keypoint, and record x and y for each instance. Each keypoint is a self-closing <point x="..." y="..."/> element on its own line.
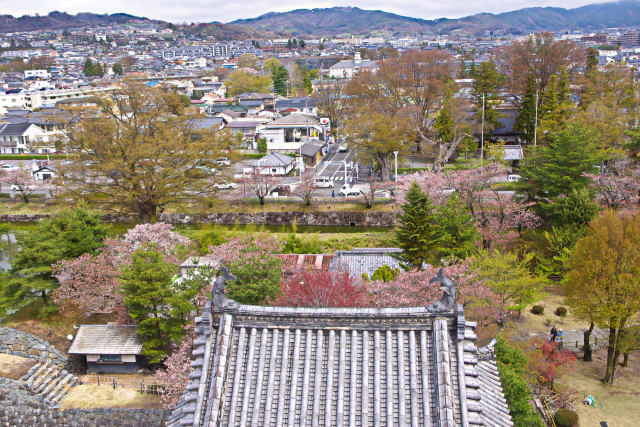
<point x="458" y="234"/>
<point x="417" y="234"/>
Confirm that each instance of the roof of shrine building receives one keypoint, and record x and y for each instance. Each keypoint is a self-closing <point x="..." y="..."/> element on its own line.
<point x="265" y="365"/>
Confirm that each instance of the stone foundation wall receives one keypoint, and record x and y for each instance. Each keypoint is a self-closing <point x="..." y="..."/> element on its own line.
<point x="18" y="407"/>
<point x="19" y="343"/>
<point x="325" y="218"/>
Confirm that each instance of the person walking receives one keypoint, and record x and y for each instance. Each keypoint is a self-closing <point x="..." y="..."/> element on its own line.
<point x="560" y="339"/>
<point x="333" y="194"/>
<point x="553" y="334"/>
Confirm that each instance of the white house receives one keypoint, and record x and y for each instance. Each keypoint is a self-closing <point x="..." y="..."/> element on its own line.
<point x="19" y="138"/>
<point x="274" y="164"/>
<point x="286" y="134"/>
<point x="347" y="68"/>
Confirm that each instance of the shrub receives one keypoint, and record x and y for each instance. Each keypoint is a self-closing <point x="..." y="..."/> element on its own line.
<point x="537" y="309"/>
<point x="561" y="311"/>
<point x="566" y="418"/>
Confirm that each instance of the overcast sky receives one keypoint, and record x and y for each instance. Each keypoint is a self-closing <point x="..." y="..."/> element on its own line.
<point x="227" y="10"/>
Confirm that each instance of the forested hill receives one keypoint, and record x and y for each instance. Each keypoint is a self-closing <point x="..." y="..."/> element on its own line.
<point x="352" y="20"/>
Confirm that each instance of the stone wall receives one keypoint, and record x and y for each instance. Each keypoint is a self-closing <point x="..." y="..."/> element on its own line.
<point x="18" y="407"/>
<point x="326" y="218"/>
<point x="19" y="343"/>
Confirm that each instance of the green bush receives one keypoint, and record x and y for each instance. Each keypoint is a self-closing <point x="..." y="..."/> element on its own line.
<point x="31" y="156"/>
<point x="537" y="309"/>
<point x="385" y="273"/>
<point x="262" y="145"/>
<point x="511" y="366"/>
<point x="566" y="418"/>
<point x="561" y="311"/>
<point x="253" y="155"/>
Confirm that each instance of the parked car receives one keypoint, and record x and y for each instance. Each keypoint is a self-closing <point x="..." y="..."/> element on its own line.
<point x="323" y="182"/>
<point x="8" y="167"/>
<point x="280" y="190"/>
<point x="513" y="178"/>
<point x="343" y="148"/>
<point x="347" y="191"/>
<point x="223" y="161"/>
<point x="225" y="185"/>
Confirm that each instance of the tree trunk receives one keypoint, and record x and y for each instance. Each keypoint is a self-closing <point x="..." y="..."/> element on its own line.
<point x="148" y="213"/>
<point x="383" y="164"/>
<point x="611" y="356"/>
<point x="625" y="359"/>
<point x="261" y="198"/>
<point x="587" y="344"/>
<point x="44" y="297"/>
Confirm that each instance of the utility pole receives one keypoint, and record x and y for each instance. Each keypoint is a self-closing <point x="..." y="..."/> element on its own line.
<point x="395" y="155"/>
<point x="482" y="135"/>
<point x="535" y="125"/>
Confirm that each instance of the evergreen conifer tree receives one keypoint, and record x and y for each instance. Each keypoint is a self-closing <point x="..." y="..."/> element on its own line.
<point x="526" y="115"/>
<point x="147" y="294"/>
<point x="458" y="233"/>
<point x="417" y="233"/>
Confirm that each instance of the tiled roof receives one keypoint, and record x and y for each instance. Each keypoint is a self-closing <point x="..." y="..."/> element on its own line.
<point x="14" y="129"/>
<point x="273" y="160"/>
<point x="106" y="339"/>
<point x="258" y="366"/>
<point x="295" y="119"/>
<point x="365" y="260"/>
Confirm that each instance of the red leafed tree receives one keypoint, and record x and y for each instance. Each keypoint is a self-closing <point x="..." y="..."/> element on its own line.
<point x="174" y="378"/>
<point x="90" y="283"/>
<point x="546" y="361"/>
<point x="321" y="288"/>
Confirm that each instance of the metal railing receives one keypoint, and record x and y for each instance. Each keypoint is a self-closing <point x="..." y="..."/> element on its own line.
<point x="115" y="382"/>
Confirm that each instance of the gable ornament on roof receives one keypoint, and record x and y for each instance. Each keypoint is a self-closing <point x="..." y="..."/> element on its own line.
<point x="448" y="299"/>
<point x="220" y="299"/>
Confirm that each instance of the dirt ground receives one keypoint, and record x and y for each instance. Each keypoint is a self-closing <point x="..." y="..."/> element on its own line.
<point x="618" y="405"/>
<point x="91" y="396"/>
<point x="14" y="367"/>
<point x="535" y="323"/>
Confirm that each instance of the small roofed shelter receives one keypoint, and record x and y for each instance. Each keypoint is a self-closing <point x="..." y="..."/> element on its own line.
<point x="294" y="366"/>
<point x="113" y="349"/>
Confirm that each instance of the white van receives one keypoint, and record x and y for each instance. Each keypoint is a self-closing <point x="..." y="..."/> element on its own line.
<point x="324" y="182"/>
<point x="347" y="191"/>
<point x="513" y="178"/>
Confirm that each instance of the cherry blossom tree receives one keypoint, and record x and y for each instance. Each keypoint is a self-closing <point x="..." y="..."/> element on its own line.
<point x="174" y="378"/>
<point x="306" y="189"/>
<point x="22" y="182"/>
<point x="91" y="283"/>
<point x="321" y="288"/>
<point x="498" y="214"/>
<point x="618" y="186"/>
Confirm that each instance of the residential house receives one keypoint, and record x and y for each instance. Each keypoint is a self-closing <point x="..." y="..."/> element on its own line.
<point x="274" y="164"/>
<point x="268" y="365"/>
<point x="506" y="130"/>
<point x="305" y="105"/>
<point x="287" y="134"/>
<point x="42" y="170"/>
<point x="347" y="68"/>
<point x="108" y="348"/>
<point x="360" y="261"/>
<point x="19" y="138"/>
<point x="246" y="128"/>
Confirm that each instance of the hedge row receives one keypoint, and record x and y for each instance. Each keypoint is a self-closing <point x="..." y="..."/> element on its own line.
<point x="31" y="156"/>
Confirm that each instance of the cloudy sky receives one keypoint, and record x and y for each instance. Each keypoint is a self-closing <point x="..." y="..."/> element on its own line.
<point x="227" y="10"/>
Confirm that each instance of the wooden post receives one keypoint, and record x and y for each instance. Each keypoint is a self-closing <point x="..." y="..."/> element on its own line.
<point x="142" y="386"/>
<point x="98" y="380"/>
<point x="113" y="380"/>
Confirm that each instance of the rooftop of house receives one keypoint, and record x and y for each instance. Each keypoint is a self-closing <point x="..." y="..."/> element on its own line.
<point x="273" y="160"/>
<point x="361" y="261"/>
<point x="106" y="339"/>
<point x="294" y="119"/>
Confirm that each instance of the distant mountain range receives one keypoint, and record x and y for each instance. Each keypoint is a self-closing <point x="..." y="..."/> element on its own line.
<point x="61" y="20"/>
<point x="352" y="20"/>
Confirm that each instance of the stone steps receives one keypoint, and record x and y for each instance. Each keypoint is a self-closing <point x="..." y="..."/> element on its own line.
<point x="50" y="381"/>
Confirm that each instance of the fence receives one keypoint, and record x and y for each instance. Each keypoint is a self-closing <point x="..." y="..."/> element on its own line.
<point x="115" y="382"/>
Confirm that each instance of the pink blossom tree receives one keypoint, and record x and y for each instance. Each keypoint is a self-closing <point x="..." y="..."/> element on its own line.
<point x="618" y="187"/>
<point x="174" y="378"/>
<point x="498" y="213"/>
<point x="22" y="182"/>
<point x="91" y="283"/>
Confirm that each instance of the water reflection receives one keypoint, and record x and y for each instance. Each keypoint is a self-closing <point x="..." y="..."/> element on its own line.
<point x="8" y="250"/>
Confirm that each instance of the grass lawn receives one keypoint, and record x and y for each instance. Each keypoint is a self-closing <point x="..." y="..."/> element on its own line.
<point x="91" y="396"/>
<point x="535" y="323"/>
<point x="14" y="367"/>
<point x="618" y="405"/>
